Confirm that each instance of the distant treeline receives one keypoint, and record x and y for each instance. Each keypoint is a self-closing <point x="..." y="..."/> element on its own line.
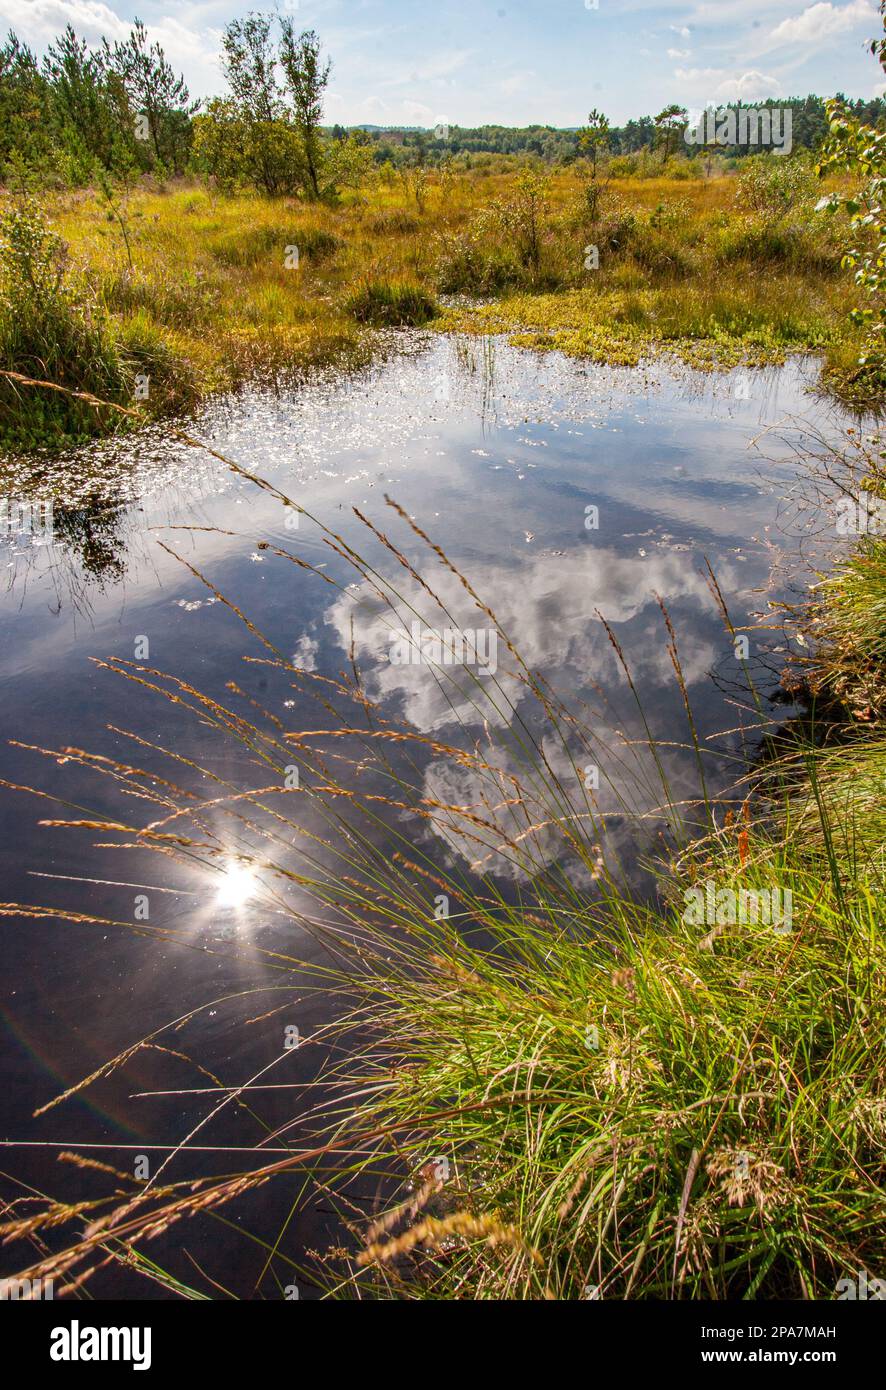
<point x="80" y="113"/>
<point x="558" y="146"/>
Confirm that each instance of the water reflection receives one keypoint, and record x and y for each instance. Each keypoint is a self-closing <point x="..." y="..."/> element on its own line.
<point x="566" y="493"/>
<point x="93" y="532"/>
<point x="501" y="457"/>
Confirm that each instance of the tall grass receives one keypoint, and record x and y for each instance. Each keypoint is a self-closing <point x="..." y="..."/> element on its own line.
<point x="47" y="331"/>
<point x="634" y="1109"/>
<point x="391" y="306"/>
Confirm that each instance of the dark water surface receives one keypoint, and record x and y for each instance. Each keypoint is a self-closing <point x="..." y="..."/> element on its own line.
<point x="499" y="455"/>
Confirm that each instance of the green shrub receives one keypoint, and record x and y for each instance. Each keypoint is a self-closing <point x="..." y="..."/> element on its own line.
<point x="54" y="327"/>
<point x="771" y="185"/>
<point x="617" y="229"/>
<point x="237" y="150"/>
<point x="670" y="215"/>
<point x="661" y="254"/>
<point x="643" y="164"/>
<point x="246" y="246"/>
<point x="761" y="241"/>
<point x="467" y="264"/>
<point x="622" y="166"/>
<point x="684" y="169"/>
<point x="386" y="305"/>
<point x="316" y="243"/>
<point x="51" y="329"/>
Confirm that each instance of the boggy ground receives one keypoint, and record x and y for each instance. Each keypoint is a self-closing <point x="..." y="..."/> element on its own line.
<point x="199" y="291"/>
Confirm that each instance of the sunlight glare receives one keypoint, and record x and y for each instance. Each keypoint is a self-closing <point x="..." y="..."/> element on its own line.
<point x="236" y="886"/>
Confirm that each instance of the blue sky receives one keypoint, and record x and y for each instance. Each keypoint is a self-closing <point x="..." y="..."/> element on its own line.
<point x="468" y="62"/>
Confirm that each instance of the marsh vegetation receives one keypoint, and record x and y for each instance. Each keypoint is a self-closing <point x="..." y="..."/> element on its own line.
<point x="552" y="1078"/>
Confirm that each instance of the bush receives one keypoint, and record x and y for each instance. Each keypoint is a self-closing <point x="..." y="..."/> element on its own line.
<point x="316" y="243"/>
<point x="660" y="253"/>
<point x="766" y="242"/>
<point x="50" y="332"/>
<point x="684" y="169"/>
<point x="392" y="221"/>
<point x="245" y="246"/>
<point x="265" y="154"/>
<point x="771" y="185"/>
<point x="617" y="229"/>
<point x="468" y="264"/>
<point x="622" y="166"/>
<point x="671" y="215"/>
<point x="504" y="246"/>
<point x="386" y="305"/>
<point x="54" y="327"/>
<point x="642" y="164"/>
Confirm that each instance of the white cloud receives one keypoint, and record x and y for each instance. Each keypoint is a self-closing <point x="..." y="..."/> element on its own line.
<point x="417" y="112"/>
<point x="193" y="51"/>
<point x="497" y="847"/>
<point x="305" y="654"/>
<point x="717" y="85"/>
<point x="822" y="20"/>
<point x="375" y="110"/>
<point x="517" y="82"/>
<point x="538" y="608"/>
<point x="682" y="53"/>
<point x="679" y="29"/>
<point x="750" y="86"/>
<point x="698" y="74"/>
<point x="442" y="65"/>
<point x="39" y="21"/>
<point x="539" y="612"/>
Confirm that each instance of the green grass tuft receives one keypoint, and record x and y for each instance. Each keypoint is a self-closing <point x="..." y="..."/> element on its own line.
<point x="391" y="305"/>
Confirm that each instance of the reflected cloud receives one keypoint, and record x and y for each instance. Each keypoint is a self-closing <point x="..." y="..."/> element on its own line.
<point x="548" y="610"/>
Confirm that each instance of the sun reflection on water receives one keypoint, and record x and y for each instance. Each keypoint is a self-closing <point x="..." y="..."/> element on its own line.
<point x="236" y="887"/>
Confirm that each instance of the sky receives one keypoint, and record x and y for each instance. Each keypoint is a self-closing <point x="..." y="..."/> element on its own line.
<point x="514" y="62"/>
